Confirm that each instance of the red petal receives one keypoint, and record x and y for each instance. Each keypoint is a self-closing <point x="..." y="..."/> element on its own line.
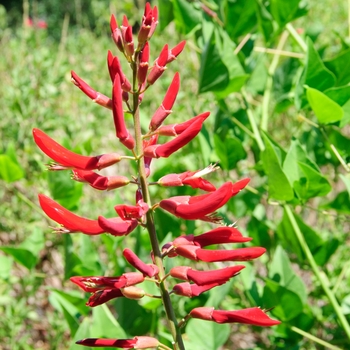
<point x="221" y="235"/>
<point x="117" y="226"/>
<point x="214" y="276"/>
<point x="135" y="261"/>
<point x="109" y="343"/>
<point x="70" y="221"/>
<point x="101" y="297"/>
<point x="241" y="254"/>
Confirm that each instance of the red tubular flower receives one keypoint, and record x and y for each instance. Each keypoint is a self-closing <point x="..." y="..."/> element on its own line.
<point x="149" y="270"/>
<point x="117" y="226"/>
<point x="159" y="66"/>
<point x="146" y="23"/>
<point x="165" y="108"/>
<point x="116" y="34"/>
<point x="191" y="178"/>
<point x="205" y="277"/>
<point x="114" y="67"/>
<point x="174" y="52"/>
<point x="154" y="21"/>
<point x="102" y="296"/>
<point x="95" y="283"/>
<point x="100" y="182"/>
<point x="69" y="159"/>
<point x="129" y="41"/>
<point x="254" y="316"/>
<point x="118" y="114"/>
<point x="199" y="207"/>
<point x="70" y="222"/>
<point x="147" y="143"/>
<point x="168" y="148"/>
<point x="129" y="212"/>
<point x="96" y="97"/>
<point x="193" y="290"/>
<point x="134" y="343"/>
<point x="241" y="254"/>
<point x="177" y="129"/>
<point x="143" y="64"/>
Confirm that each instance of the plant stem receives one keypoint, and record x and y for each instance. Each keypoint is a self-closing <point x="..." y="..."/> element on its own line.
<point x="269" y="83"/>
<point x="313" y="338"/>
<point x="296" y="37"/>
<point x="253" y="123"/>
<point x="170" y="314"/>
<point x="322" y="278"/>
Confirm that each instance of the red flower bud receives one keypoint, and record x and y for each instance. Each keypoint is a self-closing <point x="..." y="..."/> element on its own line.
<point x="96" y="97"/>
<point x="205" y="277"/>
<point x="116" y="34"/>
<point x="114" y="68"/>
<point x="168" y="148"/>
<point x="254" y="316"/>
<point x="199" y="207"/>
<point x="143" y="64"/>
<point x="174" y="52"/>
<point x="159" y="66"/>
<point x="70" y="222"/>
<point x="145" y="26"/>
<point x="128" y="212"/>
<point x="134" y="343"/>
<point x="122" y="133"/>
<point x="146" y="143"/>
<point x="192" y="290"/>
<point x="128" y="41"/>
<point x="117" y="226"/>
<point x="165" y="108"/>
<point x="69" y="159"/>
<point x="100" y="182"/>
<point x="177" y="129"/>
<point x="149" y="270"/>
<point x="154" y="22"/>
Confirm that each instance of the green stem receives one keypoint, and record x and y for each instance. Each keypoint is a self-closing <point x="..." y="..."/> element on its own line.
<point x="322" y="278"/>
<point x="269" y="83"/>
<point x="253" y="123"/>
<point x="314" y="339"/>
<point x="150" y="225"/>
<point x="296" y="37"/>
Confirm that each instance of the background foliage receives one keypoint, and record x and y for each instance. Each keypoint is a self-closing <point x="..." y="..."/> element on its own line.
<point x="279" y="117"/>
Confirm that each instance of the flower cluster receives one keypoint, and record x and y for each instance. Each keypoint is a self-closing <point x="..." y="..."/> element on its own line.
<point x="126" y="96"/>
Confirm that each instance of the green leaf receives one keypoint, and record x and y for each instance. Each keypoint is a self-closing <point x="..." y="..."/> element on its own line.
<point x="326" y="110"/>
<point x="206" y="335"/>
<point x="279" y="187"/>
<point x="315" y="75"/>
<point x="340" y="94"/>
<point x="34" y="243"/>
<point x="166" y="13"/>
<point x="82" y="333"/>
<point x="287" y="304"/>
<point x="186" y="16"/>
<point x="73" y="322"/>
<point x="340" y="66"/>
<point x="229" y="150"/>
<point x="9" y="170"/>
<point x="105" y="325"/>
<point x="72" y="301"/>
<point x="22" y="256"/>
<point x="264" y="20"/>
<point x="285" y="11"/>
<point x="341" y="203"/>
<point x="5" y="267"/>
<point x="281" y="271"/>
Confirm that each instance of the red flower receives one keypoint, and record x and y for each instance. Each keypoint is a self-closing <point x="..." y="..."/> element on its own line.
<point x="159" y="66"/>
<point x="143" y="64"/>
<point x="254" y="316"/>
<point x="193" y="290"/>
<point x="128" y="212"/>
<point x="149" y="270"/>
<point x="69" y="159"/>
<point x="117" y="226"/>
<point x="114" y="68"/>
<point x="100" y="182"/>
<point x="165" y="108"/>
<point x="116" y="34"/>
<point x="134" y="343"/>
<point x="205" y="277"/>
<point x="97" y="97"/>
<point x="199" y="207"/>
<point x="175" y="51"/>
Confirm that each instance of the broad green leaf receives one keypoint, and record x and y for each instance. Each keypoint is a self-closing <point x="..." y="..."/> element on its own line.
<point x="34" y="243"/>
<point x="281" y="271"/>
<point x="240" y="17"/>
<point x="284" y="11"/>
<point x="105" y="325"/>
<point x="166" y="13"/>
<point x="22" y="256"/>
<point x="229" y="150"/>
<point x="73" y="322"/>
<point x="82" y="333"/>
<point x="326" y="110"/>
<point x="89" y="256"/>
<point x="340" y="94"/>
<point x="286" y="304"/>
<point x="264" y="20"/>
<point x="315" y="75"/>
<point x="9" y="170"/>
<point x="72" y="301"/>
<point x="206" y="335"/>
<point x="186" y="16"/>
<point x="279" y="187"/>
<point x="340" y="66"/>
